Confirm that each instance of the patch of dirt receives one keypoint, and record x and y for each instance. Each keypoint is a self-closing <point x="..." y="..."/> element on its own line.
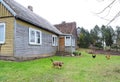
<point x="107" y="52"/>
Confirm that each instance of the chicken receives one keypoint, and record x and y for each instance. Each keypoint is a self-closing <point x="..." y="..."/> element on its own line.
<point x="107" y="57"/>
<point x="93" y="55"/>
<point x="57" y="64"/>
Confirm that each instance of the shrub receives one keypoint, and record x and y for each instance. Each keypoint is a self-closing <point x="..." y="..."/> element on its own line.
<point x="77" y="53"/>
<point x="98" y="45"/>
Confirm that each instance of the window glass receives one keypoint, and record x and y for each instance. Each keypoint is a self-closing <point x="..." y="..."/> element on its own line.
<point x="34" y="36"/>
<point x="68" y="41"/>
<point x="54" y="40"/>
<point x="38" y="37"/>
<point x="2" y="33"/>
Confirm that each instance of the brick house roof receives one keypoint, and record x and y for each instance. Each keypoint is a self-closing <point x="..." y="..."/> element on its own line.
<point x="67" y="28"/>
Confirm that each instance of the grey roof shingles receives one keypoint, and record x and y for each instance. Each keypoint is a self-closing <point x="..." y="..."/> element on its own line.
<point x="29" y="16"/>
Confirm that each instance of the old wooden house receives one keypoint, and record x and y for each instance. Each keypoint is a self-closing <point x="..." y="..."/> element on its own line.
<point x="24" y="34"/>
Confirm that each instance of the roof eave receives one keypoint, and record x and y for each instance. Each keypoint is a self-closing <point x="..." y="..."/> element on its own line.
<point x="66" y="34"/>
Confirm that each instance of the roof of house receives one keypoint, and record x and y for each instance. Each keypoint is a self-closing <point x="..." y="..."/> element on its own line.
<point x="25" y="14"/>
<point x="66" y="28"/>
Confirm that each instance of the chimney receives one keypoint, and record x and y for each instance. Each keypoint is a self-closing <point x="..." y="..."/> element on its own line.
<point x="30" y="8"/>
<point x="63" y="22"/>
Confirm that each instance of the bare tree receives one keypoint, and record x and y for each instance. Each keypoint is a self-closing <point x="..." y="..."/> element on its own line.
<point x="109" y="6"/>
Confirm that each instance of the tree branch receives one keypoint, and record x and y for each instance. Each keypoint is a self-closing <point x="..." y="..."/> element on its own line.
<point x="103" y="18"/>
<point x="107" y="7"/>
<point x="117" y="15"/>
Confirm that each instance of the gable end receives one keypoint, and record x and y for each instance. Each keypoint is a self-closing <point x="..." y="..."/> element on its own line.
<point x="5" y="10"/>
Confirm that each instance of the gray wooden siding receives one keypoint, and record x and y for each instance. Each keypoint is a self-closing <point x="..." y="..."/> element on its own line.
<point x="69" y="48"/>
<point x="22" y="47"/>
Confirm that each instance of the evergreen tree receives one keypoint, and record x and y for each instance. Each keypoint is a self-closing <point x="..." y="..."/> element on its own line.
<point x="109" y="34"/>
<point x="84" y="38"/>
<point x="95" y="35"/>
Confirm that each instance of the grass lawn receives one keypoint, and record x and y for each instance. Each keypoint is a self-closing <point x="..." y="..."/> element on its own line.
<point x="75" y="69"/>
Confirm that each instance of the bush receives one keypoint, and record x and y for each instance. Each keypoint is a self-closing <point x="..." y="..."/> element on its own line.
<point x="98" y="45"/>
<point x="77" y="53"/>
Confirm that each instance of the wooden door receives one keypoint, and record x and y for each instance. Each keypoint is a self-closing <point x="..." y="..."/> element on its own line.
<point x="62" y="44"/>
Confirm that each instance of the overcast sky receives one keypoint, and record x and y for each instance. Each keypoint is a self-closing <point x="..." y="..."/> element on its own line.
<point x="80" y="11"/>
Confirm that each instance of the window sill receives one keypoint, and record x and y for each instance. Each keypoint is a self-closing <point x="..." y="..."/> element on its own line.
<point x="35" y="44"/>
<point x="2" y="43"/>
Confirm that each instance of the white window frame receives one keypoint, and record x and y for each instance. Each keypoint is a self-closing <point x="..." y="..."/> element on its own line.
<point x="4" y="28"/>
<point x="35" y="42"/>
<point x="67" y="41"/>
<point x="54" y="40"/>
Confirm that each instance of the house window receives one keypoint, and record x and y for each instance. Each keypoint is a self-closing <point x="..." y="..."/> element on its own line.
<point x="2" y="33"/>
<point x="73" y="41"/>
<point x="54" y="40"/>
<point x="35" y="37"/>
<point x="68" y="41"/>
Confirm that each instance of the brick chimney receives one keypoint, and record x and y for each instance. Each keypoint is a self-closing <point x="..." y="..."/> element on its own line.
<point x="30" y="8"/>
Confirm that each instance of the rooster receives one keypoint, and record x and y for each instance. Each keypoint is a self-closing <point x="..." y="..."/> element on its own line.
<point x="107" y="57"/>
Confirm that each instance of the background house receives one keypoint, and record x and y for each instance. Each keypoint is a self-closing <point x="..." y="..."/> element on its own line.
<point x="68" y="40"/>
<point x="25" y="34"/>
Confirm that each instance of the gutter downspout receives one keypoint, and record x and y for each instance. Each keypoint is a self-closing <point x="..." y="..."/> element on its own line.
<point x="14" y="39"/>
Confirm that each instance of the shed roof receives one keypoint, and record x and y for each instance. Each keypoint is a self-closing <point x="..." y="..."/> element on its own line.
<point x="25" y="14"/>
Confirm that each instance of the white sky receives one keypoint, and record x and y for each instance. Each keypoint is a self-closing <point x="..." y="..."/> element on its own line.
<point x="80" y="11"/>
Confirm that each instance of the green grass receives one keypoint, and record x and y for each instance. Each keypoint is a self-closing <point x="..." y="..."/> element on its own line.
<point x="75" y="69"/>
